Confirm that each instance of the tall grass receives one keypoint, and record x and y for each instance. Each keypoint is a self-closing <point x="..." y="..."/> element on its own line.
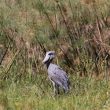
<point x="78" y="30"/>
<point x="37" y="94"/>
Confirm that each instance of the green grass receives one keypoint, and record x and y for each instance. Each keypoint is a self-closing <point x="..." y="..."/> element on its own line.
<point x="37" y="94"/>
<point x="42" y="20"/>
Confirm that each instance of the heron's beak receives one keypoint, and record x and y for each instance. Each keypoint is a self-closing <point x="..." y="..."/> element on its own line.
<point x="45" y="59"/>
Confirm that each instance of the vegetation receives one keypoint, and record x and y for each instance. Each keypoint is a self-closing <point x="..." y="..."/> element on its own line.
<point x="37" y="95"/>
<point x="79" y="32"/>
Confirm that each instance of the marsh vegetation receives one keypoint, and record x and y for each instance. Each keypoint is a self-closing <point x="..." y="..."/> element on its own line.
<point x="77" y="30"/>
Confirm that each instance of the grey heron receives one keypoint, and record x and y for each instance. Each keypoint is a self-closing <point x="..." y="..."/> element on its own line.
<point x="56" y="74"/>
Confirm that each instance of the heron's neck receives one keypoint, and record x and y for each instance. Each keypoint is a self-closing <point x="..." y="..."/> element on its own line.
<point x="48" y="63"/>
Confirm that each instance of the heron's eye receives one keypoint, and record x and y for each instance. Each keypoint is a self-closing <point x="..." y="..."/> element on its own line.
<point x="50" y="54"/>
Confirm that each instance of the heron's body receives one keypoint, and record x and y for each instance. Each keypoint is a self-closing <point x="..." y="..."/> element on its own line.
<point x="57" y="76"/>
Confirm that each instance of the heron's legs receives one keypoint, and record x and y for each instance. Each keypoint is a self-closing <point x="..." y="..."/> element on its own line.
<point x="56" y="88"/>
<point x="65" y="89"/>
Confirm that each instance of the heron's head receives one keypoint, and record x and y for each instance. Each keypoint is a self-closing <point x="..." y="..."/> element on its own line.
<point x="49" y="56"/>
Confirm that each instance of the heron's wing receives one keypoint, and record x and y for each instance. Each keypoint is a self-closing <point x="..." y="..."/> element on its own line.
<point x="59" y="76"/>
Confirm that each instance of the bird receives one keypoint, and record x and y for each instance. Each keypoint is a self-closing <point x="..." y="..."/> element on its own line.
<point x="56" y="74"/>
